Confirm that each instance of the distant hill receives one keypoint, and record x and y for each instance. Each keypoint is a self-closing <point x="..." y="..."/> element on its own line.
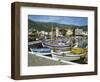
<point x="46" y="26"/>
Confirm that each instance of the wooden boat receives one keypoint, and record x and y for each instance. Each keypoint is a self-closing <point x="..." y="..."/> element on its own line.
<point x="66" y="56"/>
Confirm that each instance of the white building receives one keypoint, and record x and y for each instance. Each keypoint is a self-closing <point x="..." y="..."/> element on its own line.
<point x="57" y="31"/>
<point x="69" y="32"/>
<point x="78" y="31"/>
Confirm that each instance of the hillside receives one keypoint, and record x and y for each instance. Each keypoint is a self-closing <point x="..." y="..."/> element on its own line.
<point x="46" y="26"/>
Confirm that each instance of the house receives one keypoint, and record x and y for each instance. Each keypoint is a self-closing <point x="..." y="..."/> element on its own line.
<point x="78" y="31"/>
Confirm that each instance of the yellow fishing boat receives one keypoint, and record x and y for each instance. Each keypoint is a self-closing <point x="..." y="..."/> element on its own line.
<point x="78" y="50"/>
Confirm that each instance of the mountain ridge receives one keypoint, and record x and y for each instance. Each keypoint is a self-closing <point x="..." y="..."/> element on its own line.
<point x="48" y="25"/>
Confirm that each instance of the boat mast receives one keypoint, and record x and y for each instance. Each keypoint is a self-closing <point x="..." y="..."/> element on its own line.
<point x="52" y="32"/>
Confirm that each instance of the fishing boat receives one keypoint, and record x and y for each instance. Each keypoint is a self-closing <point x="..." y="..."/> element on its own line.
<point x="41" y="51"/>
<point x="67" y="56"/>
<point x="58" y="44"/>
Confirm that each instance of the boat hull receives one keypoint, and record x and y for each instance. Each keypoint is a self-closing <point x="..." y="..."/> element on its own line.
<point x="67" y="57"/>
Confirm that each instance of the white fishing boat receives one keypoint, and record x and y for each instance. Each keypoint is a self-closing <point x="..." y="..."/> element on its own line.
<point x="67" y="56"/>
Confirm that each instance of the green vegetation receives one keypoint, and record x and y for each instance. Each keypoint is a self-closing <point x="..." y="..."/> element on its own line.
<point x="46" y="26"/>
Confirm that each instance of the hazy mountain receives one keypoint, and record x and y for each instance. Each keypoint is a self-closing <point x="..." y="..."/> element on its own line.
<point x="48" y="25"/>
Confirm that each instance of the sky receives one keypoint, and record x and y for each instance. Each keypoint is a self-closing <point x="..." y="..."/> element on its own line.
<point x="80" y="21"/>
